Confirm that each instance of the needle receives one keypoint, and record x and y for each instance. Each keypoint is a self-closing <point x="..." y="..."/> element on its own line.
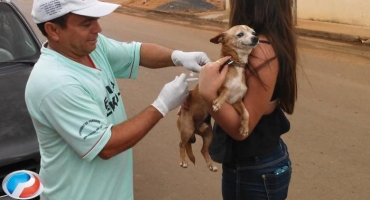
<point x="192" y="79"/>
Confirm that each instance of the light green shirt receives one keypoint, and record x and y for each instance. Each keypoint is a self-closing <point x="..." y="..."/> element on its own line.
<point x="73" y="108"/>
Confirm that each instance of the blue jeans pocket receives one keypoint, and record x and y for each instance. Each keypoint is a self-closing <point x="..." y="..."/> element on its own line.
<point x="276" y="185"/>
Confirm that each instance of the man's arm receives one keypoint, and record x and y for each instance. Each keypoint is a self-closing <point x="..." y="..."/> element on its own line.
<point x="126" y="134"/>
<point x="155" y="56"/>
<point x="130" y="132"/>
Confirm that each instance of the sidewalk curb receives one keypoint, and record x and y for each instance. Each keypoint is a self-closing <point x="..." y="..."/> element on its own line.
<point x="300" y="31"/>
<point x="179" y="14"/>
<point x="328" y="35"/>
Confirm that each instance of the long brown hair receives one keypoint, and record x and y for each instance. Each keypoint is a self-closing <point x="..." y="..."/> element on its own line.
<point x="274" y="19"/>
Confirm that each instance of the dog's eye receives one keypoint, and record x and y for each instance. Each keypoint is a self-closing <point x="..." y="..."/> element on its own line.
<point x="253" y="33"/>
<point x="240" y="34"/>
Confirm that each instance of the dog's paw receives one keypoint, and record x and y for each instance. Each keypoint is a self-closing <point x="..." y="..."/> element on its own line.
<point x="212" y="168"/>
<point x="184" y="164"/>
<point x="216" y="107"/>
<point x="243" y="131"/>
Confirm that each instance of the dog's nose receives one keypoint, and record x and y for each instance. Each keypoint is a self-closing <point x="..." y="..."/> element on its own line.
<point x="255" y="40"/>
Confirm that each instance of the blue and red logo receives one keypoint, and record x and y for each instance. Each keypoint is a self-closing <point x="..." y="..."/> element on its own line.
<point x="22" y="184"/>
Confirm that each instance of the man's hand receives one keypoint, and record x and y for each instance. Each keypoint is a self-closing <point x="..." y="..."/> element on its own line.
<point x="192" y="61"/>
<point x="172" y="95"/>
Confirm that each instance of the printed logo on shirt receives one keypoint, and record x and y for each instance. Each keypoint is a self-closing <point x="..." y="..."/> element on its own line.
<point x="111" y="101"/>
<point x="91" y="127"/>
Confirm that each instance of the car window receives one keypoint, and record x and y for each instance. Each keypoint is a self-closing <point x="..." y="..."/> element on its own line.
<point x="16" y="42"/>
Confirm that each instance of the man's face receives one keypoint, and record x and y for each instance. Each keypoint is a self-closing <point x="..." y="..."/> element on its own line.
<point x="80" y="35"/>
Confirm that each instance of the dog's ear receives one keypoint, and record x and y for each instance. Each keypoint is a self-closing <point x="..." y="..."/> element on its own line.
<point x="218" y="39"/>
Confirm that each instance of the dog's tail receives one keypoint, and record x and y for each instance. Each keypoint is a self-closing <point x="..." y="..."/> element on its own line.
<point x="189" y="152"/>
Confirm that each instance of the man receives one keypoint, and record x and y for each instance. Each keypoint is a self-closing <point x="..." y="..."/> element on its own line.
<point x="75" y="103"/>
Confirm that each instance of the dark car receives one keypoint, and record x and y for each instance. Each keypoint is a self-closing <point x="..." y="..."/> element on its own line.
<point x="19" y="51"/>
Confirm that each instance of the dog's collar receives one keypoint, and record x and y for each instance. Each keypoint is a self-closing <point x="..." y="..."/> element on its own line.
<point x="237" y="63"/>
<point x="233" y="63"/>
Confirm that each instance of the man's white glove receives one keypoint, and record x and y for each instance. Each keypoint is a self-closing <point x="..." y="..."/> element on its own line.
<point x="192" y="61"/>
<point x="173" y="94"/>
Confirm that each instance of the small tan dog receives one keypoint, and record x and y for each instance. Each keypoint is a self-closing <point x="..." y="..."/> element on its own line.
<point x="237" y="42"/>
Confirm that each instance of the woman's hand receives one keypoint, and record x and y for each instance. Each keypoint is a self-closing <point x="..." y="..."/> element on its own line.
<point x="211" y="79"/>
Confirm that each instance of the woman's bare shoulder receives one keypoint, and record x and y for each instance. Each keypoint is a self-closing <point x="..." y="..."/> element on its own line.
<point x="262" y="55"/>
<point x="264" y="49"/>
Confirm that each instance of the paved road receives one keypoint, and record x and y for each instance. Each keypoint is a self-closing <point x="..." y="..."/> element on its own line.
<point x="328" y="141"/>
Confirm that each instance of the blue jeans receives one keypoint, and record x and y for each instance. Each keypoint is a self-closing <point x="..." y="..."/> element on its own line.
<point x="257" y="178"/>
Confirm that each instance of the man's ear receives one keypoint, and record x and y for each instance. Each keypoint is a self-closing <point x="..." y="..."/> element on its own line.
<point x="52" y="31"/>
<point x="220" y="38"/>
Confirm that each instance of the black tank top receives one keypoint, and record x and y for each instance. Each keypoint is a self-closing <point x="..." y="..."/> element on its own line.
<point x="264" y="139"/>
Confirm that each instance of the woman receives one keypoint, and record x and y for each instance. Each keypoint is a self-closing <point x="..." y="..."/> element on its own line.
<point x="257" y="166"/>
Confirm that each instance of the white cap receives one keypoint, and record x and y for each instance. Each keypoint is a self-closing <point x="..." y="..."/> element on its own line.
<point x="46" y="10"/>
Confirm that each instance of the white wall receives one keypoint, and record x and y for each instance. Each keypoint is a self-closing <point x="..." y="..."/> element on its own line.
<point x="355" y="12"/>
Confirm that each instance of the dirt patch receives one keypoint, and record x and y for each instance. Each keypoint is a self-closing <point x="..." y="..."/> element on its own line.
<point x="193" y="6"/>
